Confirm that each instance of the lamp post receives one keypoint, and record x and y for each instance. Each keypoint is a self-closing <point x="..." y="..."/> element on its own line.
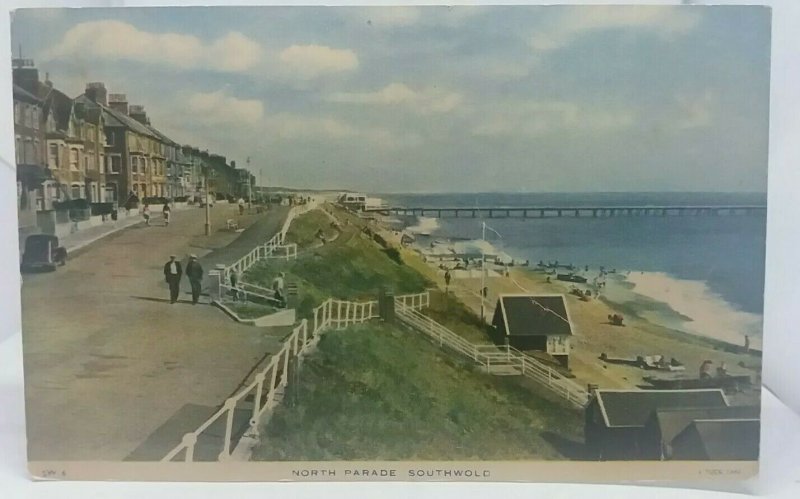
<point x="249" y="187"/>
<point x="208" y="209"/>
<point x="483" y="271"/>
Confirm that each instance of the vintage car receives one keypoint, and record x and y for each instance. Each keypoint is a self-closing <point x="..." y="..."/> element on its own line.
<point x="42" y="252"/>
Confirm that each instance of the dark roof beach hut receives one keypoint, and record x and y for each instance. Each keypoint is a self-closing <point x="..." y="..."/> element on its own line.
<point x="533" y="322"/>
<point x="666" y="424"/>
<point x="615" y="419"/>
<point x="718" y="440"/>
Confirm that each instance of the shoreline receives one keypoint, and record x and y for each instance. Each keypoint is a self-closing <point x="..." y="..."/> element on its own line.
<point x="593" y="334"/>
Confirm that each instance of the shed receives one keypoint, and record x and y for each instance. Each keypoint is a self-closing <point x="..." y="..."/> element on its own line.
<point x="533" y="322"/>
<point x="615" y="420"/>
<point x="718" y="440"/>
<point x="664" y="425"/>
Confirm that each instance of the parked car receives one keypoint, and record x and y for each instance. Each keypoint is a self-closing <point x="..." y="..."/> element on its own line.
<point x="42" y="252"/>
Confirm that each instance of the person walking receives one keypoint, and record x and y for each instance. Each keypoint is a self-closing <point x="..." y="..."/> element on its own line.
<point x="166" y="211"/>
<point x="146" y="214"/>
<point x="172" y="274"/>
<point x="241" y="206"/>
<point x="447" y="278"/>
<point x="194" y="271"/>
<point x="277" y="288"/>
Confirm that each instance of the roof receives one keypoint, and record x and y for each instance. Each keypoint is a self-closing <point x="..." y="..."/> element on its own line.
<point x="673" y="421"/>
<point x="719" y="440"/>
<point x="531" y="315"/>
<point x="116" y="118"/>
<point x="634" y="407"/>
<point x="22" y="94"/>
<point x="59" y="105"/>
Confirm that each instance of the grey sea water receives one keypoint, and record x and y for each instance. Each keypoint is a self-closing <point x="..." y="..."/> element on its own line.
<point x="724" y="252"/>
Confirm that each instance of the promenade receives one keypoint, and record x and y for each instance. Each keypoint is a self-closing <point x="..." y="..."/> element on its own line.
<point x="108" y="359"/>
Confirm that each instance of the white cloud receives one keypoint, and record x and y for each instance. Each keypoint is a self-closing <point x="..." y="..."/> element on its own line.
<point x="288" y="126"/>
<point x="424" y="101"/>
<point x="119" y="40"/>
<point x="661" y="20"/>
<point x="536" y="118"/>
<point x="217" y="108"/>
<point x="695" y="110"/>
<point x="311" y="61"/>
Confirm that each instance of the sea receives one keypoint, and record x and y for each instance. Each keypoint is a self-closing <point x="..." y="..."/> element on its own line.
<point x="699" y="274"/>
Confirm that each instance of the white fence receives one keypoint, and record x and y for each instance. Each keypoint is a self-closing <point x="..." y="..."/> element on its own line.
<point x="332" y="313"/>
<point x="494" y="358"/>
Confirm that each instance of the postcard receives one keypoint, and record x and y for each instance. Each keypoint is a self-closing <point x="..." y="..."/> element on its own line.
<point x="471" y="243"/>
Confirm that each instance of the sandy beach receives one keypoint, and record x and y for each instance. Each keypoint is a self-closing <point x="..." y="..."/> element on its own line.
<point x="594" y="335"/>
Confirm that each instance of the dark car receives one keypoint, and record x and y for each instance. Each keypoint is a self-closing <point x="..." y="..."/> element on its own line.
<point x="42" y="252"/>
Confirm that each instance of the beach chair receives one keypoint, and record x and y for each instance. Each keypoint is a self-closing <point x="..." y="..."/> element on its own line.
<point x="231" y="224"/>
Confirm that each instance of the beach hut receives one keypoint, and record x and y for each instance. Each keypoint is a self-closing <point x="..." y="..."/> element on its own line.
<point x="666" y="424"/>
<point x="533" y="322"/>
<point x="718" y="440"/>
<point x="614" y="425"/>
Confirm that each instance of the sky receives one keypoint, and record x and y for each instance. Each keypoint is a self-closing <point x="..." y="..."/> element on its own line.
<point x="438" y="99"/>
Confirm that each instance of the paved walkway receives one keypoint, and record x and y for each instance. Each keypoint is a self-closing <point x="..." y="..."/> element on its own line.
<point x="108" y="360"/>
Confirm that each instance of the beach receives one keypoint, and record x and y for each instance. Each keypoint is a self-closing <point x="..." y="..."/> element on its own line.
<point x="594" y="335"/>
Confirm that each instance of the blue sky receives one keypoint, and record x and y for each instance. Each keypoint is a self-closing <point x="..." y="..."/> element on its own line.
<point x="438" y="99"/>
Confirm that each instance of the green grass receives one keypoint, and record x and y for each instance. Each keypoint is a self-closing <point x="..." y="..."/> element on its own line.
<point x="447" y="310"/>
<point x="353" y="267"/>
<point x="250" y="310"/>
<point x="375" y="392"/>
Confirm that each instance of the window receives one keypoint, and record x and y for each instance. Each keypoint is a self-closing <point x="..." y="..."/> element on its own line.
<point x="75" y="191"/>
<point x="18" y="149"/>
<point x="29" y="116"/>
<point x="134" y="164"/>
<point x="85" y="162"/>
<point x="114" y="164"/>
<point x="110" y="137"/>
<point x="37" y="151"/>
<point x="73" y="160"/>
<point x="27" y="156"/>
<point x="18" y="113"/>
<point x="35" y="118"/>
<point x="102" y="163"/>
<point x="53" y="156"/>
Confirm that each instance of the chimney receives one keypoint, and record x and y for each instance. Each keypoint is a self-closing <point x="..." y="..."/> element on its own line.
<point x="118" y="102"/>
<point x="26" y="75"/>
<point x="137" y="112"/>
<point x="592" y="389"/>
<point x="233" y="164"/>
<point x="96" y="92"/>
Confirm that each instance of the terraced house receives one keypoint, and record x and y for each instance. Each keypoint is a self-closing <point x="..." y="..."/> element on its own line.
<point x="31" y="169"/>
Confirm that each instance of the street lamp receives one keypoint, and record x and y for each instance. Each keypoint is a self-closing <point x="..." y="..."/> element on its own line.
<point x="208" y="204"/>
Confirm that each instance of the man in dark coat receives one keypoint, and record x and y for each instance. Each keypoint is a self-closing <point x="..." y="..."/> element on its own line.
<point x="195" y="274"/>
<point x="172" y="274"/>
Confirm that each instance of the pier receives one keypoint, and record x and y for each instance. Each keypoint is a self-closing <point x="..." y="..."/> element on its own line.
<point x="577" y="211"/>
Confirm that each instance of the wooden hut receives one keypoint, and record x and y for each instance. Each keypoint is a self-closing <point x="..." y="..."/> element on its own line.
<point x="718" y="440"/>
<point x="614" y="426"/>
<point x="665" y="424"/>
<point x="534" y="322"/>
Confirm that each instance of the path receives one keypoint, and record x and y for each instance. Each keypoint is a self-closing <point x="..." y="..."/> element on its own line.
<point x="108" y="360"/>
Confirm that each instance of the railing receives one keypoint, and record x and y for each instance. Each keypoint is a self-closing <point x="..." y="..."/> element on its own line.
<point x="263" y="388"/>
<point x="295" y="212"/>
<point x="340" y="314"/>
<point x="415" y="302"/>
<point x="330" y="314"/>
<point x="493" y="356"/>
<point x="244" y="291"/>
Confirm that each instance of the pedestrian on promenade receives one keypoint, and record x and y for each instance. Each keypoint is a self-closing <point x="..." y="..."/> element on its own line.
<point x="146" y="214"/>
<point x="241" y="206"/>
<point x="194" y="271"/>
<point x="234" y="277"/>
<point x="172" y="274"/>
<point x="166" y="212"/>
<point x="277" y="287"/>
<point x="447" y="281"/>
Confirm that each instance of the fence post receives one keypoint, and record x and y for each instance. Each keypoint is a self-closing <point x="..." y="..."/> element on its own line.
<point x="189" y="440"/>
<point x="285" y="375"/>
<point x="230" y="404"/>
<point x="523" y="366"/>
<point x="339" y="315"/>
<point x="257" y="401"/>
<point x="305" y="332"/>
<point x="273" y="379"/>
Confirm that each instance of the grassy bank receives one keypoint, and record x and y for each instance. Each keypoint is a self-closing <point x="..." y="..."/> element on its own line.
<point x="350" y="265"/>
<point x="380" y="393"/>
